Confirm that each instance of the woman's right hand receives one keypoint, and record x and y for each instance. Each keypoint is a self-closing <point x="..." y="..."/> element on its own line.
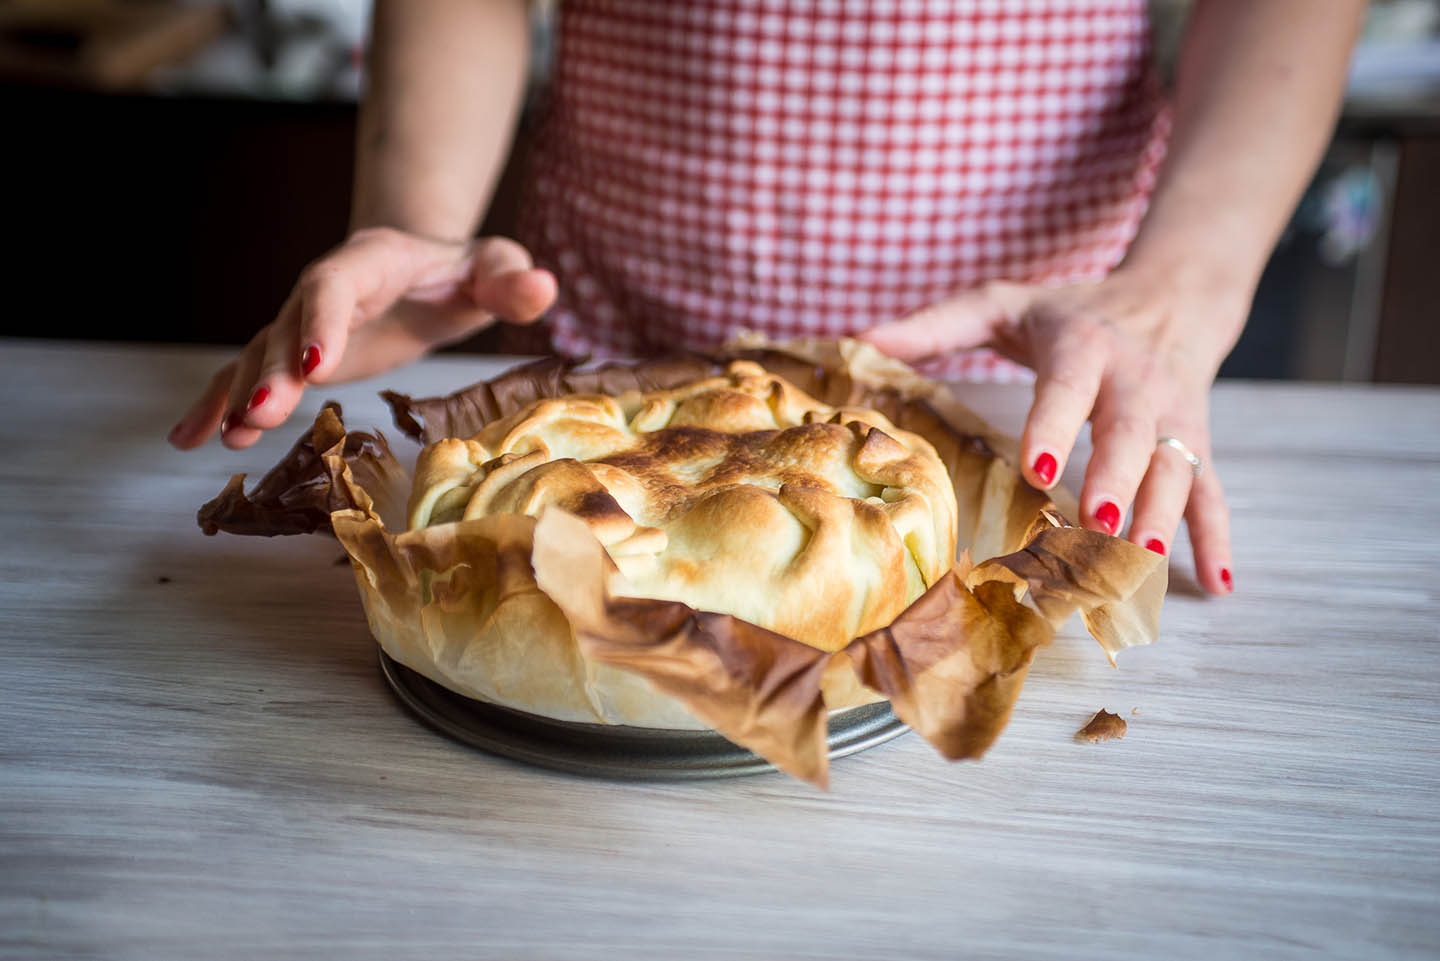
<point x="381" y="299"/>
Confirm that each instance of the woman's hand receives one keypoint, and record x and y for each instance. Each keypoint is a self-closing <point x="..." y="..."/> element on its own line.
<point x="381" y="299"/>
<point x="1258" y="86"/>
<point x="1132" y="355"/>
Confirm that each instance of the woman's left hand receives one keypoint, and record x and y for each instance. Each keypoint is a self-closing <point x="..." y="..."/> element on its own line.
<point x="1136" y="356"/>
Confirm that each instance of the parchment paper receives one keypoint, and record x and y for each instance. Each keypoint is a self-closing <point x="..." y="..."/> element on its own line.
<point x="531" y="613"/>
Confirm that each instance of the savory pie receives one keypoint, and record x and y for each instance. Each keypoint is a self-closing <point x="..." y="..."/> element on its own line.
<point x="738" y="494"/>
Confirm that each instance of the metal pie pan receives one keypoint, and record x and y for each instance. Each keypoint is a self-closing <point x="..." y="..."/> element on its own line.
<point x="623" y="753"/>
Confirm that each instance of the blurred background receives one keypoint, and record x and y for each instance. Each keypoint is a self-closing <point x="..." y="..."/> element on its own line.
<point x="171" y="166"/>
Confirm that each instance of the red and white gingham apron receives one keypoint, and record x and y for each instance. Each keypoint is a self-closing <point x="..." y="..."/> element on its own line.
<point x="816" y="168"/>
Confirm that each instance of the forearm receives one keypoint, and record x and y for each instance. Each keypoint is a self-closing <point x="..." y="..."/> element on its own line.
<point x="446" y="81"/>
<point x="1258" y="87"/>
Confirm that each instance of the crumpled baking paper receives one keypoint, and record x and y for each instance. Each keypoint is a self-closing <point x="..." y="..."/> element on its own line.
<point x="531" y="613"/>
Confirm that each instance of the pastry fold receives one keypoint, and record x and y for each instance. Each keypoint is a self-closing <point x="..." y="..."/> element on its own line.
<point x="553" y="553"/>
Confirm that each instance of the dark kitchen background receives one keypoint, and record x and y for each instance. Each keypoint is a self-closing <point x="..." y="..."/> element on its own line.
<point x="170" y="167"/>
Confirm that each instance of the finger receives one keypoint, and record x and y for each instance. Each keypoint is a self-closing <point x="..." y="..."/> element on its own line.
<point x="473" y="267"/>
<point x="325" y="303"/>
<point x="498" y="255"/>
<point x="1208" y="518"/>
<point x="968" y="319"/>
<point x="519" y="296"/>
<point x="279" y="384"/>
<point x="503" y="281"/>
<point x="1067" y="378"/>
<point x="358" y="282"/>
<point x="1123" y="431"/>
<point x="234" y="433"/>
<point x="1160" y="502"/>
<point x="203" y="418"/>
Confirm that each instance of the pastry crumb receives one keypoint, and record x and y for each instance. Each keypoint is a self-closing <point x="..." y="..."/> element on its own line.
<point x="1104" y="726"/>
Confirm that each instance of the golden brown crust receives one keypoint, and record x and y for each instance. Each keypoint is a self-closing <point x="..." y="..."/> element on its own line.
<point x="1104" y="726"/>
<point x="499" y="609"/>
<point x="738" y="493"/>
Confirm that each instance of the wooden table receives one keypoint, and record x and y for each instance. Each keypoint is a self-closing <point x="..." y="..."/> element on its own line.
<point x="199" y="758"/>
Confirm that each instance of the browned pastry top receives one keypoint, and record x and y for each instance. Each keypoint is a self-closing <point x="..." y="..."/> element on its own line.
<point x="739" y="494"/>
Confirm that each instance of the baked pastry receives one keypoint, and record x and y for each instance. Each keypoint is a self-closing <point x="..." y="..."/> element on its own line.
<point x="799" y="507"/>
<point x="738" y="494"/>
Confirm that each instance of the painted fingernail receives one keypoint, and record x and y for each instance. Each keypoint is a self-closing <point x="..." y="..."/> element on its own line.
<point x="1108" y="514"/>
<point x="261" y="395"/>
<point x="228" y="422"/>
<point x="1227" y="580"/>
<point x="1044" y="468"/>
<point x="1157" y="545"/>
<point x="310" y="359"/>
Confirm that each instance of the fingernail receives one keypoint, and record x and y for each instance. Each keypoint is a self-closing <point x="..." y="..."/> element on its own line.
<point x="1227" y="580"/>
<point x="227" y="423"/>
<point x="261" y="395"/>
<point x="310" y="359"/>
<point x="1044" y="468"/>
<point x="1157" y="545"/>
<point x="1108" y="514"/>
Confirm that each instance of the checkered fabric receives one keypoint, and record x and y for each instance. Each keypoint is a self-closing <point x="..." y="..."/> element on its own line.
<point x="815" y="168"/>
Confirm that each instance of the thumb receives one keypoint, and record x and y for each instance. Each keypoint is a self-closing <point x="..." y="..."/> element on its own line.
<point x="962" y="321"/>
<point x="519" y="296"/>
<point x="504" y="281"/>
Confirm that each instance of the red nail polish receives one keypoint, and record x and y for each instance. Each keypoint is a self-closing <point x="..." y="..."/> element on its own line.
<point x="227" y="423"/>
<point x="1044" y="468"/>
<point x="1227" y="580"/>
<point x="1157" y="545"/>
<point x="310" y="359"/>
<point x="261" y="395"/>
<point x="1109" y="516"/>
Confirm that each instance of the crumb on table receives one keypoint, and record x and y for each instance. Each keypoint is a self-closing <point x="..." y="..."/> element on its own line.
<point x="1104" y="726"/>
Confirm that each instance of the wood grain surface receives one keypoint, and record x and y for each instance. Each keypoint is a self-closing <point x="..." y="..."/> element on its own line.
<point x="199" y="758"/>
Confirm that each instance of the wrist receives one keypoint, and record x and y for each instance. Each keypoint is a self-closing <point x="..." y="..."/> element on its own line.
<point x="362" y="229"/>
<point x="1198" y="261"/>
<point x="440" y="227"/>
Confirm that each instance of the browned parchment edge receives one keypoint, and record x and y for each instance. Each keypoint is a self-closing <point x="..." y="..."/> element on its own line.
<point x="952" y="664"/>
